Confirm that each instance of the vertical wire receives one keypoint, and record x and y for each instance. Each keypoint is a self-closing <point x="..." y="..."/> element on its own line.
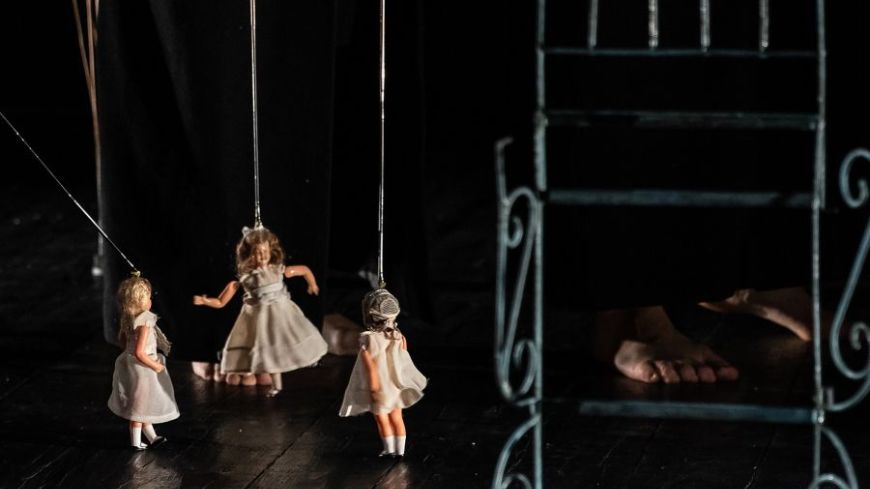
<point x="592" y="35"/>
<point x="763" y="25"/>
<point x="88" y="65"/>
<point x="257" y="220"/>
<point x="705" y="24"/>
<point x="93" y="9"/>
<point x="383" y="77"/>
<point x="818" y="205"/>
<point x="653" y="26"/>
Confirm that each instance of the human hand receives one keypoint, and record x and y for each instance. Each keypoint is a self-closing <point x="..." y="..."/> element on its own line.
<point x="199" y="300"/>
<point x="159" y="368"/>
<point x="313" y="289"/>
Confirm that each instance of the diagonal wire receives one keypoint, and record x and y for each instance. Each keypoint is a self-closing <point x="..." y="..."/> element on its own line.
<point x="68" y="194"/>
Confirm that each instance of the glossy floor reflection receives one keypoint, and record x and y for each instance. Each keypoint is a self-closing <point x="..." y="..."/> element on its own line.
<point x="56" y="431"/>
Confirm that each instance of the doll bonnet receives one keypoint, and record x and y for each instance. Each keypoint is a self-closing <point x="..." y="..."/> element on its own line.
<point x="378" y="307"/>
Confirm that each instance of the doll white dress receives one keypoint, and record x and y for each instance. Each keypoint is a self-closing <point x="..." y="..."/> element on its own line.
<point x="138" y="392"/>
<point x="271" y="334"/>
<point x="401" y="383"/>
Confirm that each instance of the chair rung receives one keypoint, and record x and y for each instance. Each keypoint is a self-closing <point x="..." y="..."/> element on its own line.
<point x="679" y="53"/>
<point x="698" y="411"/>
<point x="677" y="198"/>
<point x="685" y="120"/>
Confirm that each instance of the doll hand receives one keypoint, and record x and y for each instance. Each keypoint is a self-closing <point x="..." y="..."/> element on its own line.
<point x="160" y="368"/>
<point x="199" y="300"/>
<point x="313" y="289"/>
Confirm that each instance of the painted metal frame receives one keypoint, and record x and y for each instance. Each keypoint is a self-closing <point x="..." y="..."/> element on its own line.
<point x="520" y="238"/>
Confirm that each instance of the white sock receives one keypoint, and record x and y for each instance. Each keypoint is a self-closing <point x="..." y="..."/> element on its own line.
<point x="148" y="430"/>
<point x="400" y="445"/>
<point x="389" y="444"/>
<point x="135" y="436"/>
<point x="276" y="381"/>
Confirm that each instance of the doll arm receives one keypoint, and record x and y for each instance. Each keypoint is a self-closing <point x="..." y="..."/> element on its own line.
<point x="304" y="272"/>
<point x="141" y="339"/>
<point x="372" y="370"/>
<point x="219" y="301"/>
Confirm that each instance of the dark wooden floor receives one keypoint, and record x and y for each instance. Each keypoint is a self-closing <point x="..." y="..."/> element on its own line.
<point x="55" y="429"/>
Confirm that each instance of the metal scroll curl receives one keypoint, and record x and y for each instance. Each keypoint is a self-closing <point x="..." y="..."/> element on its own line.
<point x="520" y="234"/>
<point x="827" y="479"/>
<point x="502" y="480"/>
<point x="858" y="330"/>
<point x="514" y="234"/>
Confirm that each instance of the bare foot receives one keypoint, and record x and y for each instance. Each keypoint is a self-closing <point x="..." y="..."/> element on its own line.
<point x="234" y="379"/>
<point x="203" y="370"/>
<point x="790" y="308"/>
<point x="264" y="379"/>
<point x="249" y="379"/>
<point x="657" y="352"/>
<point x="218" y="376"/>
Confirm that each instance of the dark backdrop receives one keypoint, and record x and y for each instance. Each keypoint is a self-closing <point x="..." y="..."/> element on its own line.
<point x="174" y="87"/>
<point x="175" y="99"/>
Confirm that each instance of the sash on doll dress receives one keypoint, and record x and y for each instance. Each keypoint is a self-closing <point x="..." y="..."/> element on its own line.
<point x="266" y="294"/>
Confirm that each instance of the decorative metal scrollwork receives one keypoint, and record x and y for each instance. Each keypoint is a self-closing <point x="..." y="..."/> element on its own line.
<point x="513" y="235"/>
<point x="502" y="480"/>
<point x="513" y="354"/>
<point x="851" y="481"/>
<point x="857" y="330"/>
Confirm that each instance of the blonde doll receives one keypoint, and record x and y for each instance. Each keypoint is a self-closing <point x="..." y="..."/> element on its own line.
<point x="271" y="334"/>
<point x="141" y="388"/>
<point x="384" y="380"/>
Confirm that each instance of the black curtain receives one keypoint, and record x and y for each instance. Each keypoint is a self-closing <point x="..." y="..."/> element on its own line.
<point x="174" y="87"/>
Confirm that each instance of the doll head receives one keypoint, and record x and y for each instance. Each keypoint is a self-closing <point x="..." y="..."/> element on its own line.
<point x="379" y="310"/>
<point x="257" y="248"/>
<point x="134" y="298"/>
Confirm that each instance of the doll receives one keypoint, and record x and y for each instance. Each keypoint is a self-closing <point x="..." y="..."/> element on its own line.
<point x="141" y="388"/>
<point x="271" y="334"/>
<point x="384" y="380"/>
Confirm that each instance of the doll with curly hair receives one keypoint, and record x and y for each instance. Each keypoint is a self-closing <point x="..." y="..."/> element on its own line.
<point x="271" y="334"/>
<point x="141" y="388"/>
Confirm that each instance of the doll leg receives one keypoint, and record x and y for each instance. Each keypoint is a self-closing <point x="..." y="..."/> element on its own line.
<point x="399" y="429"/>
<point x="385" y="429"/>
<point x="136" y="436"/>
<point x="264" y="379"/>
<point x="277" y="384"/>
<point x="234" y="379"/>
<point x="151" y="435"/>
